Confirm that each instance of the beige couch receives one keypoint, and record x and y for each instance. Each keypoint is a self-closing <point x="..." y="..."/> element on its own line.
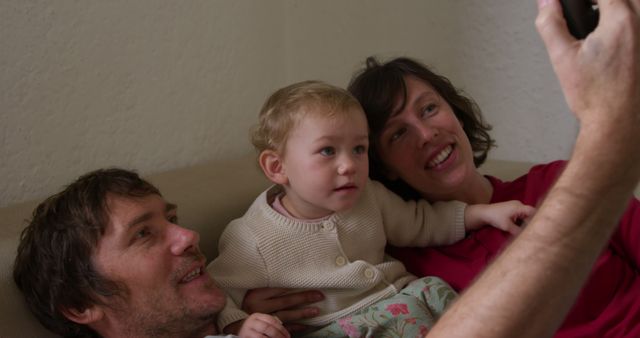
<point x="208" y="197"/>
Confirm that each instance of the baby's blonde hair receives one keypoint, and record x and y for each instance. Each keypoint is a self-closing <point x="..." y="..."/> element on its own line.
<point x="288" y="105"/>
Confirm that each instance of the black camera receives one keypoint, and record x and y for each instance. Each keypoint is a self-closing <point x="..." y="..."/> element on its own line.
<point x="581" y="16"/>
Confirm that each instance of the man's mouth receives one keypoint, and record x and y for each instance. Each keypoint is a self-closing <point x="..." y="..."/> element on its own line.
<point x="439" y="158"/>
<point x="192" y="275"/>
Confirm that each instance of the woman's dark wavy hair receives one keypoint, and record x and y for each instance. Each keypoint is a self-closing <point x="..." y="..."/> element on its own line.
<point x="53" y="267"/>
<point x="378" y="86"/>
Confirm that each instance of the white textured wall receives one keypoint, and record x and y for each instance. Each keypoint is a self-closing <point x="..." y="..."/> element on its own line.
<point x="501" y="61"/>
<point x="160" y="84"/>
<point x="145" y="84"/>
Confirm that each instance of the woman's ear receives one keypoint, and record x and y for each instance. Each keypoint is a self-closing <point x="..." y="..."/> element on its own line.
<point x="87" y="316"/>
<point x="390" y="174"/>
<point x="272" y="165"/>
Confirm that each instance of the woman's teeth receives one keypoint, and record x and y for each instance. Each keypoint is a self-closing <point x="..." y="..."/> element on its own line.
<point x="441" y="157"/>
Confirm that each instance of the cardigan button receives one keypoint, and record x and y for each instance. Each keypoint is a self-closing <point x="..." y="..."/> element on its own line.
<point x="340" y="261"/>
<point x="369" y="273"/>
<point x="329" y="226"/>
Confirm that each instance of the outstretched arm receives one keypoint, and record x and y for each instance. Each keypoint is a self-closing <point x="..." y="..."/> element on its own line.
<point x="532" y="285"/>
<point x="505" y="216"/>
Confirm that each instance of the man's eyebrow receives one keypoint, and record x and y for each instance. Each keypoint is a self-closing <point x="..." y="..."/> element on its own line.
<point x="142" y="218"/>
<point x="148" y="215"/>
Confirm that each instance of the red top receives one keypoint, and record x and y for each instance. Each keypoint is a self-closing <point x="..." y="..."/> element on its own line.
<point x="609" y="304"/>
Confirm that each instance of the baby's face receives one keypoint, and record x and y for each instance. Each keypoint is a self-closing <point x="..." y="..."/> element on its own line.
<point x="326" y="163"/>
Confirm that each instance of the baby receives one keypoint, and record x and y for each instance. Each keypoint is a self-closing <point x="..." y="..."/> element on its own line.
<point x="324" y="225"/>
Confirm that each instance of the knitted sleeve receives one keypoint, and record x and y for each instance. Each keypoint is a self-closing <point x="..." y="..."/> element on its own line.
<point x="418" y="223"/>
<point x="238" y="268"/>
<point x="230" y="313"/>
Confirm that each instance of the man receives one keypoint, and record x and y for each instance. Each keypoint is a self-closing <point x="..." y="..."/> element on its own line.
<point x="106" y="256"/>
<point x="158" y="287"/>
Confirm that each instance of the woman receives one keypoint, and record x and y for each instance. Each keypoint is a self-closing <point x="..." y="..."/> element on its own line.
<point x="427" y="140"/>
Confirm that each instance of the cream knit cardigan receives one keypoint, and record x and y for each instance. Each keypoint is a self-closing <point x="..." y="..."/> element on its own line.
<point x="343" y="256"/>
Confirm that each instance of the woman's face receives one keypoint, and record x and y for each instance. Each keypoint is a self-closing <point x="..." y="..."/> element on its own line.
<point x="424" y="145"/>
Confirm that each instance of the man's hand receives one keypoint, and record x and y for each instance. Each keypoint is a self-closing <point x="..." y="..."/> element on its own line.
<point x="598" y="75"/>
<point x="281" y="304"/>
<point x="600" y="78"/>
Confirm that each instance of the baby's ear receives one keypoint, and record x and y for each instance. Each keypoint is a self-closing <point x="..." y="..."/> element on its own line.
<point x="272" y="166"/>
<point x="87" y="316"/>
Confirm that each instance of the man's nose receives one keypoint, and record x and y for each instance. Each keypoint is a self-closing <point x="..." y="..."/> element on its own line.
<point x="182" y="239"/>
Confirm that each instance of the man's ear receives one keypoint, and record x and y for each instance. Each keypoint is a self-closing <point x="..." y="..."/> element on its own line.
<point x="273" y="167"/>
<point x="87" y="316"/>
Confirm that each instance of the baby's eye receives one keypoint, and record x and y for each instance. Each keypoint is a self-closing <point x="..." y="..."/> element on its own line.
<point x="360" y="150"/>
<point x="328" y="151"/>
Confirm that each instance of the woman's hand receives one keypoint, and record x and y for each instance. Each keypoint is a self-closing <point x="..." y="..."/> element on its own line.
<point x="285" y="306"/>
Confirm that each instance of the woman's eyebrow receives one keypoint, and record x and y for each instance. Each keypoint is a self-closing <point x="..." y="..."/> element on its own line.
<point x="425" y="95"/>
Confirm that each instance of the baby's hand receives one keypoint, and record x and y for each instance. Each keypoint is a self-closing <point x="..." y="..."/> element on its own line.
<point x="506" y="216"/>
<point x="262" y="325"/>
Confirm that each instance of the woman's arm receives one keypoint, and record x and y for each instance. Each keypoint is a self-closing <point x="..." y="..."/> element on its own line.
<point x="531" y="286"/>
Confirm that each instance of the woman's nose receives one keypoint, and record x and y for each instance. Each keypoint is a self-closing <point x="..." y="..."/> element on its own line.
<point x="182" y="239"/>
<point x="426" y="133"/>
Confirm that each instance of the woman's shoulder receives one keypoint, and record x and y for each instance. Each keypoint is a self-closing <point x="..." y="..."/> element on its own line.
<point x="549" y="170"/>
<point x="530" y="186"/>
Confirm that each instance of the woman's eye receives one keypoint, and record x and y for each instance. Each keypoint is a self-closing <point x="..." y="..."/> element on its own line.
<point x="429" y="109"/>
<point x="360" y="150"/>
<point x="397" y="134"/>
<point x="327" y="151"/>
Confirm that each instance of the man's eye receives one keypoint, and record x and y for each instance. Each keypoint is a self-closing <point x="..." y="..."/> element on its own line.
<point x="142" y="233"/>
<point x="173" y="219"/>
<point x="327" y="151"/>
<point x="360" y="150"/>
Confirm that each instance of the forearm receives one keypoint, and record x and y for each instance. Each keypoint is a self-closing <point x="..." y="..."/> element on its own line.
<point x="530" y="287"/>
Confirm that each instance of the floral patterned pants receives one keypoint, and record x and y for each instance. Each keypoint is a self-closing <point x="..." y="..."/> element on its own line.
<point x="410" y="313"/>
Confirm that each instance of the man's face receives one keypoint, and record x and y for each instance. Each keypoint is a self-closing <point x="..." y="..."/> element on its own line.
<point x="161" y="267"/>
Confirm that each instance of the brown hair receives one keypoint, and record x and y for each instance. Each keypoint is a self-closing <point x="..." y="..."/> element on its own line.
<point x="284" y="108"/>
<point x="378" y="85"/>
<point x="53" y="267"/>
